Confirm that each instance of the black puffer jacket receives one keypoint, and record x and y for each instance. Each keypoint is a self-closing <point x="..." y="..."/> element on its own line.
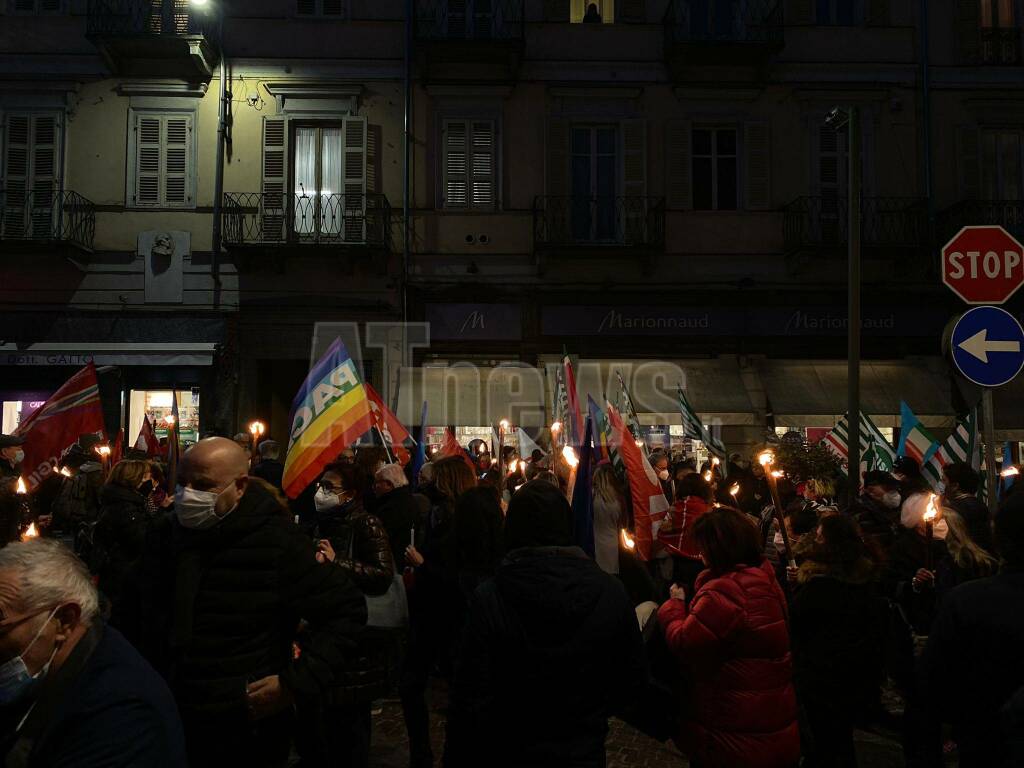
<point x="119" y="538"/>
<point x="241" y="588"/>
<point x="361" y="546"/>
<point x="551" y="649"/>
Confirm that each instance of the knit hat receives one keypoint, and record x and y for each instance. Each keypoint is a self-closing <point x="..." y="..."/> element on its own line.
<point x="538" y="516"/>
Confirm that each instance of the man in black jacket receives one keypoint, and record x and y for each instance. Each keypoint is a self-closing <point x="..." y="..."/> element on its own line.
<point x="396" y="507"/>
<point x="83" y="696"/>
<point x="270" y="467"/>
<point x="877" y="511"/>
<point x="973" y="665"/>
<point x="244" y="577"/>
<point x="961" y="495"/>
<point x="551" y="649"/>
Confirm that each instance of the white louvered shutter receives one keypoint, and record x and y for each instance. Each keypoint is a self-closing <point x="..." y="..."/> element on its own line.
<point x="45" y="148"/>
<point x="163" y="161"/>
<point x="354" y="178"/>
<point x="177" y="187"/>
<point x="678" y="186"/>
<point x="275" y="197"/>
<point x="147" y="160"/>
<point x="456" y="164"/>
<point x="305" y="7"/>
<point x="482" y="165"/>
<point x="334" y="8"/>
<point x="16" y="174"/>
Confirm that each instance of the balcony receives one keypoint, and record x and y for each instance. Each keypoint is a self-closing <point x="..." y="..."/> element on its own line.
<point x="469" y="40"/>
<point x="1008" y="214"/>
<point x="263" y="223"/>
<point x="156" y="38"/>
<point x="598" y="227"/>
<point x="46" y="220"/>
<point x="1000" y="46"/>
<point x="729" y="32"/>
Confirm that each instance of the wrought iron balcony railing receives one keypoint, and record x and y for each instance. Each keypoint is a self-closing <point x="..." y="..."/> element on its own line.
<point x="725" y="21"/>
<point x="1000" y="45"/>
<point x="1006" y="213"/>
<point x="64" y="217"/>
<point x="470" y="19"/>
<point x="265" y="219"/>
<point x="114" y="18"/>
<point x="823" y="222"/>
<point x="623" y="221"/>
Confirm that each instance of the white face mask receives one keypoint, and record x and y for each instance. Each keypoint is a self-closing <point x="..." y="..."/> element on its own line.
<point x="892" y="499"/>
<point x="19" y="456"/>
<point x="324" y="500"/>
<point x="663" y="474"/>
<point x="198" y="509"/>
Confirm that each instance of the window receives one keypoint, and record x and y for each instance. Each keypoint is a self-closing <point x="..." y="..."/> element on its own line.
<point x="603" y="11"/>
<point x="36" y="6"/>
<point x="31" y="174"/>
<point x="331" y="8"/>
<point x="163" y="145"/>
<point x="1000" y="38"/>
<point x="714" y="169"/>
<point x="715" y="19"/>
<point x="839" y="13"/>
<point x="1002" y="164"/>
<point x="594" y="178"/>
<point x="329" y="180"/>
<point x="469" y="164"/>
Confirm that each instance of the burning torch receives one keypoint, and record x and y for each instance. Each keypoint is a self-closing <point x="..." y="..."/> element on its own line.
<point x="256" y="429"/>
<point x="766" y="459"/>
<point x="930" y="514"/>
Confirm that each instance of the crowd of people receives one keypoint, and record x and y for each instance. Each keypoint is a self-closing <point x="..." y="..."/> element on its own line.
<point x="194" y="615"/>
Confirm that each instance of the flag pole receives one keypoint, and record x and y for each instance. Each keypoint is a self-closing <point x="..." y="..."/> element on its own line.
<point x="387" y="448"/>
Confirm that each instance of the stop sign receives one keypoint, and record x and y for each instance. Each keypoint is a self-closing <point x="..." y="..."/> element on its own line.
<point x="983" y="265"/>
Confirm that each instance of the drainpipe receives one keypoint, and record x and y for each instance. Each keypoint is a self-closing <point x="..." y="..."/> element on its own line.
<point x="407" y="162"/>
<point x="926" y="120"/>
<point x="218" y="183"/>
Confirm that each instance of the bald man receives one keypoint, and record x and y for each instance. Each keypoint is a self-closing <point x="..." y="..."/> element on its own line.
<point x="244" y="578"/>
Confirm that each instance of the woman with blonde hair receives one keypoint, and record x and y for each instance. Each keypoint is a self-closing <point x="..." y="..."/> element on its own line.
<point x="966" y="561"/>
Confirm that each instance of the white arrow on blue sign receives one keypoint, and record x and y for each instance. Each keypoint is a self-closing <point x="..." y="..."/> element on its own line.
<point x="988" y="346"/>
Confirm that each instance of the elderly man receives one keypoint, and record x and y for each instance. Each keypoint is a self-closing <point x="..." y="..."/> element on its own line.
<point x="72" y="690"/>
<point x="244" y="579"/>
<point x="270" y="467"/>
<point x="397" y="506"/>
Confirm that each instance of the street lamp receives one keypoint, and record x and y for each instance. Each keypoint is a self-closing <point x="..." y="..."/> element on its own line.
<point x="838" y="119"/>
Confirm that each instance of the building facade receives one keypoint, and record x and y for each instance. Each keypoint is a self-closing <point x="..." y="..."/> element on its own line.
<point x="652" y="185"/>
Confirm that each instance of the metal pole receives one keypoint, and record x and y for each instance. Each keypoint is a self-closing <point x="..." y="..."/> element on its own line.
<point x="218" y="179"/>
<point x="926" y="122"/>
<point x="407" y="174"/>
<point x="990" y="448"/>
<point x="853" y="309"/>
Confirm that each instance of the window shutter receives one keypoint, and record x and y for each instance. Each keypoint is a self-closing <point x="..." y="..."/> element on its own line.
<point x="354" y="178"/>
<point x="968" y="29"/>
<point x="334" y="8"/>
<point x="800" y="12"/>
<point x="557" y="157"/>
<point x="879" y="13"/>
<point x="147" y="160"/>
<point x="374" y="159"/>
<point x="177" y="186"/>
<point x="757" y="147"/>
<point x="45" y="147"/>
<point x="275" y="178"/>
<point x="24" y="6"/>
<point x="51" y="6"/>
<point x="678" y="188"/>
<point x="631" y="11"/>
<point x="556" y="10"/>
<point x="968" y="162"/>
<point x="482" y="165"/>
<point x="634" y="179"/>
<point x="305" y="7"/>
<point x="16" y="174"/>
<point x="456" y="164"/>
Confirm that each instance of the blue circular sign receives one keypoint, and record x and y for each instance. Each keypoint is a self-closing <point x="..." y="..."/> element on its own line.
<point x="988" y="346"/>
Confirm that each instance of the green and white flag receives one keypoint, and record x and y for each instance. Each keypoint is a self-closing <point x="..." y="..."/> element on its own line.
<point x="836" y="441"/>
<point x="962" y="445"/>
<point x="632" y="420"/>
<point x="694" y="428"/>
<point x="561" y="408"/>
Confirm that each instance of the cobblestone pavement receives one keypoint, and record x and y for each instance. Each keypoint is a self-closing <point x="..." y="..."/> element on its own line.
<point x="627" y="748"/>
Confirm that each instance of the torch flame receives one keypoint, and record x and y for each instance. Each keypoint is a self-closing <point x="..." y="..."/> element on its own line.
<point x="30" y="532"/>
<point x="65" y="471"/>
<point x="933" y="510"/>
<point x="777" y="474"/>
<point x="715" y="461"/>
<point x="522" y="465"/>
<point x="504" y="424"/>
<point x="570" y="457"/>
<point x="169" y="419"/>
<point x="639" y="443"/>
<point x="1010" y="472"/>
<point x="765" y="458"/>
<point x="734" y="490"/>
<point x="103" y="450"/>
<point x="627" y="541"/>
<point x="556" y="427"/>
<point x="257" y="428"/>
<point x="22" y="488"/>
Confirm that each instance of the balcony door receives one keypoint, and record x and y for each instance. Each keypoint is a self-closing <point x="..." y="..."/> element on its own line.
<point x="30" y="177"/>
<point x="594" y="179"/>
<point x="833" y="183"/>
<point x="715" y="19"/>
<point x="468" y="18"/>
<point x="328" y="181"/>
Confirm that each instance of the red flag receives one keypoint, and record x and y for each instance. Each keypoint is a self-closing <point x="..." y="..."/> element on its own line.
<point x="649" y="502"/>
<point x="677" y="538"/>
<point x="117" y="449"/>
<point x="575" y="426"/>
<point x="147" y="440"/>
<point x="73" y="410"/>
<point x="451" y="447"/>
<point x="391" y="429"/>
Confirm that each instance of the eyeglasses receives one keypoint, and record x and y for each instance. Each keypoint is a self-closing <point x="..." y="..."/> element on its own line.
<point x="330" y="487"/>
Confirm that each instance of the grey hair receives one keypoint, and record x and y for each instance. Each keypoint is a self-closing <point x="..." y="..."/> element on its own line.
<point x="394" y="474"/>
<point x="49" y="575"/>
<point x="270" y="450"/>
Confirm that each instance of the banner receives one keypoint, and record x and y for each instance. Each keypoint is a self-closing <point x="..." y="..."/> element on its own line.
<point x="915" y="441"/>
<point x="329" y="413"/>
<point x="583" y="495"/>
<point x="836" y="442"/>
<point x="694" y="429"/>
<point x="961" y="446"/>
<point x="574" y="427"/>
<point x="73" y="410"/>
<point x="392" y="431"/>
<point x="147" y="440"/>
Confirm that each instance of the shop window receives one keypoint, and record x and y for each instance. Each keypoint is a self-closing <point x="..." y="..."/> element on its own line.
<point x="715" y="169"/>
<point x="19" y="407"/>
<point x="158" y="405"/>
<point x="592" y="11"/>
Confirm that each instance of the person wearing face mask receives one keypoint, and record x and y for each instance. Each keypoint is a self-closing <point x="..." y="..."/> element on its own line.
<point x="11" y="456"/>
<point x="235" y="579"/>
<point x="876" y="512"/>
<point x="120" y="531"/>
<point x="73" y="691"/>
<point x="914" y="558"/>
<point x="660" y="462"/>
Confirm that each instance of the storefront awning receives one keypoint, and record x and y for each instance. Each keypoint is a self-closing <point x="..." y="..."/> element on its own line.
<point x="79" y="354"/>
<point x="813" y="393"/>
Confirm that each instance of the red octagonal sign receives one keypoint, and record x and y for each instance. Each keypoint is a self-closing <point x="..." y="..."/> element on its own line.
<point x="983" y="265"/>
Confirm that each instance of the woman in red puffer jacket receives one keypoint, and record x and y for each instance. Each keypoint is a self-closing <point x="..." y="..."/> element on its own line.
<point x="733" y="643"/>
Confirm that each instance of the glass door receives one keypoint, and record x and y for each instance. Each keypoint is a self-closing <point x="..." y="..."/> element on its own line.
<point x="594" y="178"/>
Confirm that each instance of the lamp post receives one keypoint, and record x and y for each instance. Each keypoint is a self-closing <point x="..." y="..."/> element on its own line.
<point x="838" y="119"/>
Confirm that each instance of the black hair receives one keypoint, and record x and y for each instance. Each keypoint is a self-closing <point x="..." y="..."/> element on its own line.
<point x="963" y="475"/>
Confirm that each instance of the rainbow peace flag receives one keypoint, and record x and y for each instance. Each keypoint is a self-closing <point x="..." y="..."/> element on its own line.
<point x="330" y="412"/>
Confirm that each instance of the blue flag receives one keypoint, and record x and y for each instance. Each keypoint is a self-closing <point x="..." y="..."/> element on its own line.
<point x="420" y="458"/>
<point x="582" y="495"/>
